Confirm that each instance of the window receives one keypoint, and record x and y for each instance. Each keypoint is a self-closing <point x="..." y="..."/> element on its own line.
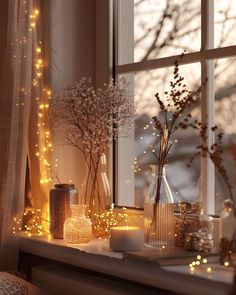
<point x="150" y="35"/>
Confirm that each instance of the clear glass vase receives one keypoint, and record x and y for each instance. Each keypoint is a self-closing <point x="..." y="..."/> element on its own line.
<point x="159" y="218"/>
<point x="227" y="232"/>
<point x="95" y="191"/>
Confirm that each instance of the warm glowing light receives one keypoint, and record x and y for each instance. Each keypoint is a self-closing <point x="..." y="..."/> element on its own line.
<point x="199" y="257"/>
<point x="34" y="224"/>
<point x="226" y="263"/>
<point x="126" y="227"/>
<point x="104" y="221"/>
<point x="209" y="269"/>
<point x="204" y="260"/>
<point x="44" y="142"/>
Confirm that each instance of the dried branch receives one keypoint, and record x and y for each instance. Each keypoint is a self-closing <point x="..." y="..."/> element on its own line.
<point x="173" y="116"/>
<point x="214" y="152"/>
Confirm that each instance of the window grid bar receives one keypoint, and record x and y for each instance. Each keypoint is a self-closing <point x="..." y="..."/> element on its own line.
<point x="187" y="58"/>
<point x="207" y="183"/>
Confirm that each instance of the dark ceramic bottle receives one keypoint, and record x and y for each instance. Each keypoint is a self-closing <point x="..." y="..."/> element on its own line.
<point x="61" y="197"/>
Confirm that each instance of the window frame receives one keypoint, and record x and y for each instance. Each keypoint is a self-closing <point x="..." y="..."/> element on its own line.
<point x="205" y="56"/>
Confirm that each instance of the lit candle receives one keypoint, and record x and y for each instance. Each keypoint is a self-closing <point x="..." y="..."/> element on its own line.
<point x="126" y="238"/>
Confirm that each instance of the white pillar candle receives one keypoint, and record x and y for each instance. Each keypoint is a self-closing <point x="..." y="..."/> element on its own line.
<point x="126" y="238"/>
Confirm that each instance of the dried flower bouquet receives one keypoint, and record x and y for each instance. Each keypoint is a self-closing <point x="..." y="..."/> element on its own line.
<point x="90" y="120"/>
<point x="173" y="115"/>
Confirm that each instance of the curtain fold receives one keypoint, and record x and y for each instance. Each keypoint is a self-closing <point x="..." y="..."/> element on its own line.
<point x="22" y="91"/>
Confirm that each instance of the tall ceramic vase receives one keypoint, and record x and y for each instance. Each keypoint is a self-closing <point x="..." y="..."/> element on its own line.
<point x="159" y="218"/>
<point x="61" y="198"/>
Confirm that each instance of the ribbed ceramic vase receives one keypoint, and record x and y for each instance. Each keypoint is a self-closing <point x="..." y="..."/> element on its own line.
<point x="61" y="198"/>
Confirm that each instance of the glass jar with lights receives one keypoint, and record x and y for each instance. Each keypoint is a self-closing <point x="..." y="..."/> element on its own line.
<point x="78" y="227"/>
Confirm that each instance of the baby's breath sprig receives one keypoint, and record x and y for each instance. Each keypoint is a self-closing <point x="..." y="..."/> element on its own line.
<point x="90" y="119"/>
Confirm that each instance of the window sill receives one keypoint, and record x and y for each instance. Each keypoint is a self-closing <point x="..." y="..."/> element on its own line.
<point x="98" y="257"/>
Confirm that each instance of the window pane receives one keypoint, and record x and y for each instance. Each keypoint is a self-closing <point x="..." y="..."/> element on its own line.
<point x="225" y="22"/>
<point x="163" y="28"/>
<point x="182" y="180"/>
<point x="225" y="114"/>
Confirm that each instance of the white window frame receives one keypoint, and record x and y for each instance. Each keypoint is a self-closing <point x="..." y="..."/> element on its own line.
<point x="205" y="57"/>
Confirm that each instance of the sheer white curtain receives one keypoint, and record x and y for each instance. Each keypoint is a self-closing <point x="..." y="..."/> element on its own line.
<point x="19" y="87"/>
<point x="24" y="96"/>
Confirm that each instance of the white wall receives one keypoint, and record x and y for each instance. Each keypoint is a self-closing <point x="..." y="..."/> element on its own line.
<point x="72" y="56"/>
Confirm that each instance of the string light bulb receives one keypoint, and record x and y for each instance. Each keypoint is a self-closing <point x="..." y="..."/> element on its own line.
<point x="226" y="263"/>
<point x="209" y="269"/>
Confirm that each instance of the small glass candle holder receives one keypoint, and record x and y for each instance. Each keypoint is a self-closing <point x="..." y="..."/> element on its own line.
<point x="78" y="227"/>
<point x="227" y="231"/>
<point x="190" y="208"/>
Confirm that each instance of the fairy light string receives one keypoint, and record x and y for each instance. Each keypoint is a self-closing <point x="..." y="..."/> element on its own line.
<point x="42" y="96"/>
<point x="104" y="221"/>
<point x="34" y="223"/>
<point x="44" y="145"/>
<point x="202" y="264"/>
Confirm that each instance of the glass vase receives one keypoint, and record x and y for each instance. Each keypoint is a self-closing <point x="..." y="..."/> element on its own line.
<point x="159" y="220"/>
<point x="77" y="228"/>
<point x="96" y="193"/>
<point x="227" y="232"/>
